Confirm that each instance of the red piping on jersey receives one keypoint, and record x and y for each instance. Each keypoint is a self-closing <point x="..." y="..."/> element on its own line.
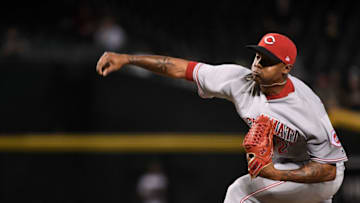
<point x="260" y="190"/>
<point x="288" y="88"/>
<point x="189" y="70"/>
<point x="329" y="160"/>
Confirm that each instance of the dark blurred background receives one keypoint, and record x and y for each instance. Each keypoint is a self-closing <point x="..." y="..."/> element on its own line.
<point x="48" y="54"/>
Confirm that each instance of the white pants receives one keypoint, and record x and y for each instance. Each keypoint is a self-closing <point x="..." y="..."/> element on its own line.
<point x="259" y="189"/>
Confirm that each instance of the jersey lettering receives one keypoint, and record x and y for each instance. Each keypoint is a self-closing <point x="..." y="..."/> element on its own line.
<point x="281" y="130"/>
<point x="282" y="145"/>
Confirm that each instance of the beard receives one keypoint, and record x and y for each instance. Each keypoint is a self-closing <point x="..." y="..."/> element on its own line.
<point x="264" y="82"/>
<point x="259" y="79"/>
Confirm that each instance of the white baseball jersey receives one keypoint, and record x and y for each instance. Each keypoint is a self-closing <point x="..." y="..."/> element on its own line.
<point x="303" y="130"/>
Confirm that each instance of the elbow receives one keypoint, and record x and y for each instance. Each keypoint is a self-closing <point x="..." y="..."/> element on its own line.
<point x="331" y="173"/>
<point x="319" y="172"/>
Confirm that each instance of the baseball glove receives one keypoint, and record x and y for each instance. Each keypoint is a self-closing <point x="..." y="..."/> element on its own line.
<point x="258" y="144"/>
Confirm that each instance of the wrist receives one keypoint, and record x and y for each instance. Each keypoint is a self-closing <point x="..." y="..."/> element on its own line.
<point x="270" y="172"/>
<point x="128" y="58"/>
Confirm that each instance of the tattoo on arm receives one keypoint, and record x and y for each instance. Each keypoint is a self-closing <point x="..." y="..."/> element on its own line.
<point x="158" y="64"/>
<point x="312" y="172"/>
<point x="133" y="59"/>
<point x="163" y="64"/>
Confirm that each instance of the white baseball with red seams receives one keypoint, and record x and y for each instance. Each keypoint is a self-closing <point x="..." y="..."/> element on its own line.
<point x="303" y="132"/>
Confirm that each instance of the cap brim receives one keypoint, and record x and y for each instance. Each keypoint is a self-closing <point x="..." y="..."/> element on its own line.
<point x="264" y="51"/>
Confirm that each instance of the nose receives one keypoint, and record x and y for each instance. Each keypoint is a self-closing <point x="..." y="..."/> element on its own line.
<point x="257" y="61"/>
<point x="256" y="67"/>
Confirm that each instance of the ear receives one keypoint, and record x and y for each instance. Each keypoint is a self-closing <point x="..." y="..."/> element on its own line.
<point x="287" y="68"/>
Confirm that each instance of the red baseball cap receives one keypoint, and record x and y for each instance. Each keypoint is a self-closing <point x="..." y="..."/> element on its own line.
<point x="278" y="47"/>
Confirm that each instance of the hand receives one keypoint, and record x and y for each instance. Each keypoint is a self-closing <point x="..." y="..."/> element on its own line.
<point x="110" y="62"/>
<point x="258" y="144"/>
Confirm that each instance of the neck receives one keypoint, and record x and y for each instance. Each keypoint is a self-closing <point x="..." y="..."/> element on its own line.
<point x="274" y="88"/>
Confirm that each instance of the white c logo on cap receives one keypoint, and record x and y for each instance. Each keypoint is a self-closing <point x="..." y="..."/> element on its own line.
<point x="269" y="40"/>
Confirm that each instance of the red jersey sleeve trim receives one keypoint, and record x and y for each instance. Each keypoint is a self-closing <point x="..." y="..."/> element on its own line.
<point x="189" y="70"/>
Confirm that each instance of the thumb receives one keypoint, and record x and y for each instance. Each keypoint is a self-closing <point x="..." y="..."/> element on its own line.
<point x="106" y="72"/>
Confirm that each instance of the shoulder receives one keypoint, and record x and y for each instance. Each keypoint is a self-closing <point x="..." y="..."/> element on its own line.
<point x="304" y="92"/>
<point x="302" y="87"/>
<point x="225" y="67"/>
<point x="308" y="97"/>
<point x="220" y="80"/>
<point x="223" y="70"/>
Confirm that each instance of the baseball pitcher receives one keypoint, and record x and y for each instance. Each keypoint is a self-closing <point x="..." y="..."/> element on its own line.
<point x="292" y="149"/>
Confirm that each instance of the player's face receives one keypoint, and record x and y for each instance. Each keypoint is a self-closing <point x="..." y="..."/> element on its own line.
<point x="265" y="71"/>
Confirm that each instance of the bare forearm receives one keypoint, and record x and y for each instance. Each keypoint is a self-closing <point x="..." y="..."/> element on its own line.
<point x="312" y="172"/>
<point x="169" y="66"/>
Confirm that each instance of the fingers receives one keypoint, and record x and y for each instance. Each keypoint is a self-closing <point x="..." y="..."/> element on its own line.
<point x="108" y="62"/>
<point x="108" y="70"/>
<point x="102" y="63"/>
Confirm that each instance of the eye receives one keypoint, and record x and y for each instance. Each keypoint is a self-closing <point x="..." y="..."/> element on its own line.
<point x="265" y="61"/>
